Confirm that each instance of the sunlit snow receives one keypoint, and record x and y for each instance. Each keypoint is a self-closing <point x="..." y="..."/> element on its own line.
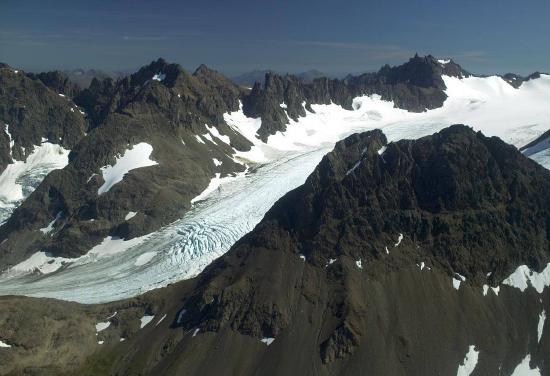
<point x="540" y="326"/>
<point x="49" y="228"/>
<point x="136" y="157"/>
<point x="469" y="363"/>
<point x="523" y="369"/>
<point x="145" y="320"/>
<point x="159" y="77"/>
<point x="523" y="277"/>
<point x="268" y="340"/>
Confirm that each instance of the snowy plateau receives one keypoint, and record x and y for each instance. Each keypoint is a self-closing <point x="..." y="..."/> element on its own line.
<point x="231" y="207"/>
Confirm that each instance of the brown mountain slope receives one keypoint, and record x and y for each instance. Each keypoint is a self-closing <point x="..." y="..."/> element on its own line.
<point x="325" y="284"/>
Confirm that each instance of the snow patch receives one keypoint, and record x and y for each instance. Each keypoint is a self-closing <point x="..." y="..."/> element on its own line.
<point x="196" y="331"/>
<point x="130" y="215"/>
<point x="359" y="264"/>
<point x="101" y="326"/>
<point x="49" y="228"/>
<point x="523" y="277"/>
<point x="159" y="77"/>
<point x="214" y="132"/>
<point x="4" y="344"/>
<point x="162" y="318"/>
<point x="540" y="326"/>
<point x="132" y="159"/>
<point x="208" y="136"/>
<point x="357" y="164"/>
<point x="199" y="139"/>
<point x="399" y="239"/>
<point x="268" y="340"/>
<point x="469" y="363"/>
<point x="456" y="283"/>
<point x="146" y="319"/>
<point x="303" y="258"/>
<point x="12" y="142"/>
<point x="217" y="162"/>
<point x="523" y="369"/>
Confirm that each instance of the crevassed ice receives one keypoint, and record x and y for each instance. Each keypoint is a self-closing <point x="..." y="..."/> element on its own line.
<point x="136" y="157"/>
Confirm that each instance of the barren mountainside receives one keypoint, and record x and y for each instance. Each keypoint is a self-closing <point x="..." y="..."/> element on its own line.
<point x="394" y="258"/>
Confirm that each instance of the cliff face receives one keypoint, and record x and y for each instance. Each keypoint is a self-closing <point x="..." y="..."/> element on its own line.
<point x="391" y="259"/>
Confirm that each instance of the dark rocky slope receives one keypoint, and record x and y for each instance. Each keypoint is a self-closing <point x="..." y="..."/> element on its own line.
<point x="326" y="277"/>
<point x="170" y="114"/>
<point x="32" y="112"/>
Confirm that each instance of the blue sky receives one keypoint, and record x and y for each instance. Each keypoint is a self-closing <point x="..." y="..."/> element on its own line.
<point x="485" y="36"/>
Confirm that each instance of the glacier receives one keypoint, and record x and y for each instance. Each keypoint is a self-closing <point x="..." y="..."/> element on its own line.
<point x="231" y="207"/>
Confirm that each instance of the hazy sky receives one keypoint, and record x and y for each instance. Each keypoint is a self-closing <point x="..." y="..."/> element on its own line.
<point x="235" y="36"/>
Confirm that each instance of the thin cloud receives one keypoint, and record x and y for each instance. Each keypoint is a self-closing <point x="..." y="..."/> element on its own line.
<point x="143" y="38"/>
<point x="375" y="51"/>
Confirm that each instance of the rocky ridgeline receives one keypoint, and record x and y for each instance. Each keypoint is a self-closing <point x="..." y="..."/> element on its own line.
<point x="414" y="86"/>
